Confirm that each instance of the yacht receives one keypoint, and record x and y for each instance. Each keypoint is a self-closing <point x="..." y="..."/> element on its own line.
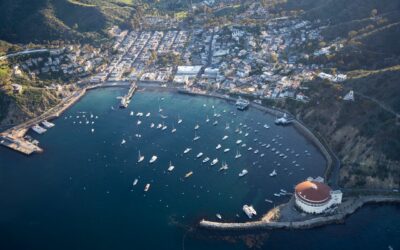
<point x="206" y="160"/>
<point x="238" y="142"/>
<point x="179" y="120"/>
<point x="249" y="211"/>
<point x="199" y="155"/>
<point x="218" y="146"/>
<point x="227" y="150"/>
<point x="273" y="173"/>
<point x="187" y="150"/>
<point x="244" y="145"/>
<point x="225" y="137"/>
<point x="135" y="182"/>
<point x="153" y="159"/>
<point x="215" y="161"/>
<point x="173" y="129"/>
<point x="146" y="188"/>
<point x="243" y="173"/>
<point x="148" y="114"/>
<point x="238" y="155"/>
<point x="140" y="157"/>
<point x="189" y="174"/>
<point x="196" y="127"/>
<point x="171" y="167"/>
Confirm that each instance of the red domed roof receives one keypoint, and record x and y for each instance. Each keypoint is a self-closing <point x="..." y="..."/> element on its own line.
<point x="313" y="191"/>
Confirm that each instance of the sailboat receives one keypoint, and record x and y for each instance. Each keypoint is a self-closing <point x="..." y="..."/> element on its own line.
<point x="196" y="137"/>
<point x="207" y="119"/>
<point x="171" y="167"/>
<point x="140" y="157"/>
<point x="179" y="120"/>
<point x="173" y="129"/>
<point x="238" y="155"/>
<point x="224" y="166"/>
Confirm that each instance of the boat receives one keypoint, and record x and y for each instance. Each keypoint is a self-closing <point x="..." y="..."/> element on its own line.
<point x="199" y="155"/>
<point x="173" y="129"/>
<point x="269" y="201"/>
<point x="242" y="104"/>
<point x="153" y="159"/>
<point x="152" y="125"/>
<point x="146" y="188"/>
<point x="171" y="167"/>
<point x="218" y="146"/>
<point x="277" y="195"/>
<point x="135" y="182"/>
<point x="131" y="114"/>
<point x="256" y="151"/>
<point x="196" y="137"/>
<point x="249" y="211"/>
<point x="140" y="157"/>
<point x="247" y="134"/>
<point x="238" y="155"/>
<point x="215" y="123"/>
<point x="215" y="161"/>
<point x="179" y="120"/>
<point x="92" y="130"/>
<point x="207" y="119"/>
<point x="249" y="149"/>
<point x="219" y="216"/>
<point x="139" y="122"/>
<point x="273" y="173"/>
<point x="159" y="126"/>
<point x="187" y="150"/>
<point x="225" y="137"/>
<point x="224" y="166"/>
<point x="284" y="120"/>
<point x="123" y="141"/>
<point x="148" y="114"/>
<point x="227" y="150"/>
<point x="243" y="173"/>
<point x="47" y="124"/>
<point x="188" y="174"/>
<point x="227" y="126"/>
<point x="39" y="129"/>
<point x="266" y="126"/>
<point x="206" y="160"/>
<point x="196" y="127"/>
<point x="238" y="142"/>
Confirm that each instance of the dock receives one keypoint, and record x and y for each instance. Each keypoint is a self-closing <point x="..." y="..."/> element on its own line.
<point x="19" y="144"/>
<point x="126" y="99"/>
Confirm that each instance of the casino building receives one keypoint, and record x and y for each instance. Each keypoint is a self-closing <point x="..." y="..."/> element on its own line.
<point x="314" y="196"/>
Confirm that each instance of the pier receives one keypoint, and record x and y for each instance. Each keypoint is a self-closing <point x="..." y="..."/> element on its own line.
<point x="126" y="99"/>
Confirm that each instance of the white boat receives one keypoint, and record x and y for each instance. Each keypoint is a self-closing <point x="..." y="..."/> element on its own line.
<point x="131" y="114"/>
<point x="269" y="201"/>
<point x="215" y="161"/>
<point x="173" y="129"/>
<point x="147" y="187"/>
<point x="123" y="141"/>
<point x="179" y="120"/>
<point x="140" y="157"/>
<point x="196" y="127"/>
<point x="238" y="142"/>
<point x="47" y="124"/>
<point x="206" y="160"/>
<point x="139" y="114"/>
<point x="196" y="137"/>
<point x="135" y="182"/>
<point x="188" y="174"/>
<point x="152" y="125"/>
<point x="238" y="155"/>
<point x="139" y="122"/>
<point x="256" y="151"/>
<point x="38" y="129"/>
<point x="273" y="173"/>
<point x="218" y="146"/>
<point x="153" y="159"/>
<point x="219" y="216"/>
<point x="225" y="137"/>
<point x="277" y="195"/>
<point x="187" y="150"/>
<point x="227" y="150"/>
<point x="227" y="126"/>
<point x="249" y="211"/>
<point x="266" y="126"/>
<point x="171" y="167"/>
<point x="207" y="119"/>
<point x="250" y="148"/>
<point x="247" y="134"/>
<point x="92" y="130"/>
<point x="148" y="114"/>
<point x="159" y="126"/>
<point x="215" y="123"/>
<point x="164" y="127"/>
<point x="224" y="166"/>
<point x="199" y="155"/>
<point x="243" y="173"/>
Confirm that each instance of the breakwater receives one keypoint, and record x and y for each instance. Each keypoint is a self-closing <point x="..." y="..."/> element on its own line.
<point x="343" y="211"/>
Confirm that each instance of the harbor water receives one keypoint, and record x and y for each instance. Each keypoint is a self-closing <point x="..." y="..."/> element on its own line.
<point x="79" y="193"/>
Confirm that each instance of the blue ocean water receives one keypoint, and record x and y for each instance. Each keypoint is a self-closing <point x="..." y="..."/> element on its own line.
<point x="78" y="194"/>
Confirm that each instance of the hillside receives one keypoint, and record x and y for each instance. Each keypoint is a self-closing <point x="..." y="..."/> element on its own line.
<point x="44" y="20"/>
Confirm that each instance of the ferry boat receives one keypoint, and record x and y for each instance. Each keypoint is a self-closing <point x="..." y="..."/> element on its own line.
<point x="227" y="150"/>
<point x="273" y="173"/>
<point x="135" y="182"/>
<point x="218" y="146"/>
<point x="243" y="173"/>
<point x="225" y="137"/>
<point x="249" y="211"/>
<point x="171" y="167"/>
<point x="47" y="124"/>
<point x="189" y="174"/>
<point x="153" y="159"/>
<point x="215" y="161"/>
<point x="238" y="155"/>
<point x="39" y="129"/>
<point x="199" y="155"/>
<point x="146" y="188"/>
<point x="206" y="160"/>
<point x="187" y="150"/>
<point x="242" y="104"/>
<point x="140" y="157"/>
